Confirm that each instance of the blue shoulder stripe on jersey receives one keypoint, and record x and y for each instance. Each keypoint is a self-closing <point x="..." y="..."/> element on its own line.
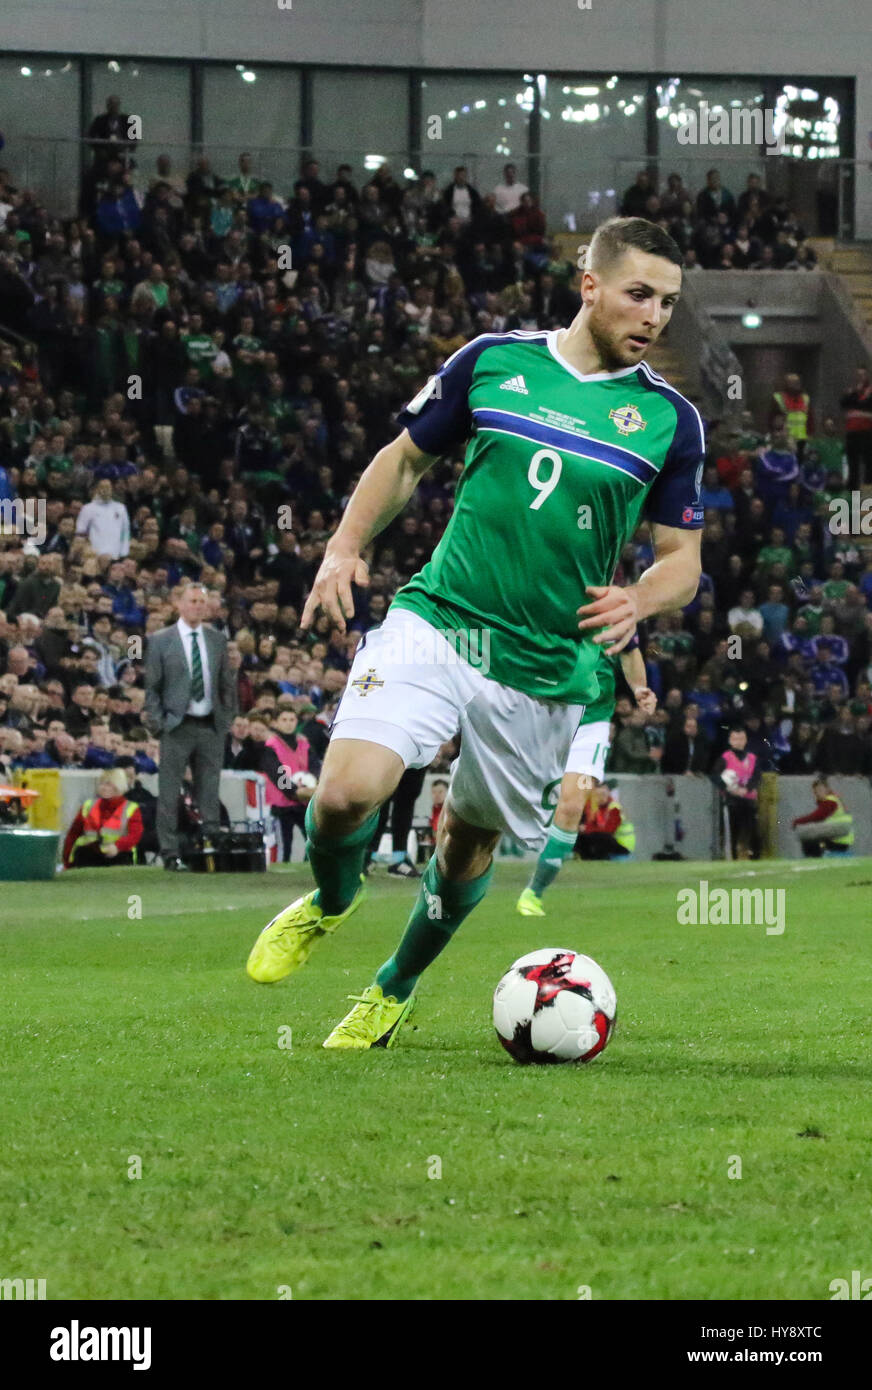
<point x="612" y="454"/>
<point x="438" y="417"/>
<point x="688" y="415"/>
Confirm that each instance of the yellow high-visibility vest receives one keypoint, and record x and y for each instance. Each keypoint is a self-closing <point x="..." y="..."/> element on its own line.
<point x="840" y="817"/>
<point x="796" y="420"/>
<point x="109" y="831"/>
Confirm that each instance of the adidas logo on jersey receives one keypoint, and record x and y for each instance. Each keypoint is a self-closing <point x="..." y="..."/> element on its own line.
<point x="515" y="383"/>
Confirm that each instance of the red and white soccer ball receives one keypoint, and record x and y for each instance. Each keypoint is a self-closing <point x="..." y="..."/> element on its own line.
<point x="555" y="1006"/>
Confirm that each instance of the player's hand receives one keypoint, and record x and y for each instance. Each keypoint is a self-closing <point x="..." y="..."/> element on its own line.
<point x="645" y="699"/>
<point x="615" y="610"/>
<point x="331" y="591"/>
<point x="110" y="851"/>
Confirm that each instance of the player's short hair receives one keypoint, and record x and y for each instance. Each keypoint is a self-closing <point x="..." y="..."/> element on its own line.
<point x="619" y="234"/>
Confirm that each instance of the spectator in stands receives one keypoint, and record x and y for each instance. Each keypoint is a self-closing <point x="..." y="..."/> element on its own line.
<point x="635" y="200"/>
<point x="746" y="620"/>
<point x="38" y="591"/>
<point x="777" y="468"/>
<point x="714" y="199"/>
<point x="109" y="133"/>
<point x="105" y="523"/>
<point x="686" y="750"/>
<point x="775" y="614"/>
<point x="753" y="192"/>
<point x="240" y="751"/>
<point x="508" y="194"/>
<point x="633" y="750"/>
<point x="264" y="208"/>
<point x="460" y="199"/>
<point x="857" y="407"/>
<point x="842" y="749"/>
<point x="713" y="493"/>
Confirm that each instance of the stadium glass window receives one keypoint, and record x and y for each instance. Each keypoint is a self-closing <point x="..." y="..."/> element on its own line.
<point x="482" y="122"/>
<point x="40" y="127"/>
<point x="592" y="143"/>
<point x="253" y="109"/>
<point x="160" y="95"/>
<point x="361" y="119"/>
<point x="709" y="103"/>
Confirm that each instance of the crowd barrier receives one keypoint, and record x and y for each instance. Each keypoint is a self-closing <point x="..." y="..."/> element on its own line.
<point x="680" y="813"/>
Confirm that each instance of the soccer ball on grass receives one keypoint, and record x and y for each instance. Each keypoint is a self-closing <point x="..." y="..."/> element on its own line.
<point x="554" y="1006"/>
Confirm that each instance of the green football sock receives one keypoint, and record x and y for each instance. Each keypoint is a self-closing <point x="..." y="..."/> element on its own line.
<point x="337" y="862"/>
<point x="558" y="847"/>
<point x="440" y="908"/>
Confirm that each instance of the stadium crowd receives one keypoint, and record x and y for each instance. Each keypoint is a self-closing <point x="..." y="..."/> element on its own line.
<point x="717" y="231"/>
<point x="196" y="372"/>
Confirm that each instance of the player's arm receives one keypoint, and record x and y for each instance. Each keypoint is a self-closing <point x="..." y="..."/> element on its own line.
<point x="633" y="667"/>
<point x="671" y="582"/>
<point x="383" y="491"/>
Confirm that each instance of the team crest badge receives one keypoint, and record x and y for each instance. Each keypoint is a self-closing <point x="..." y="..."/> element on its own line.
<point x="627" y="419"/>
<point x="364" y="684"/>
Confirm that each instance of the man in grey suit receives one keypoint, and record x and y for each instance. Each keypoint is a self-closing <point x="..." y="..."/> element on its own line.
<point x="190" y="701"/>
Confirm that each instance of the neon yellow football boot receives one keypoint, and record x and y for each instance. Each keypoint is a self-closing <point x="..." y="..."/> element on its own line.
<point x="374" y="1021"/>
<point x="286" y="942"/>
<point x="529" y="905"/>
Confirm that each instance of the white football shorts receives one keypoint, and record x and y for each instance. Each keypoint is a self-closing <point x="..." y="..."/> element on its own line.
<point x="589" y="749"/>
<point x="410" y="690"/>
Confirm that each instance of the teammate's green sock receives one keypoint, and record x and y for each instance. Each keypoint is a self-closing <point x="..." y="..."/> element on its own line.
<point x="558" y="847"/>
<point x="440" y="908"/>
<point x="337" y="861"/>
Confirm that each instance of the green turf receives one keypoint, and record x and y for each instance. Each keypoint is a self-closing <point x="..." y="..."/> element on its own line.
<point x="263" y="1167"/>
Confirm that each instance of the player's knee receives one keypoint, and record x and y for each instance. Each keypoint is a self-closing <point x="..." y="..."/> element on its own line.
<point x="342" y="804"/>
<point x="462" y="846"/>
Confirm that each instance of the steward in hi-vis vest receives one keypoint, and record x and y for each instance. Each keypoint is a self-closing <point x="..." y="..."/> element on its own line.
<point x="106" y="829"/>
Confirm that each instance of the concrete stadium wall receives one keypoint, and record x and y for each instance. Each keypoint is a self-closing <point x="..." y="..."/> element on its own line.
<point x="693" y="801"/>
<point x="798" y="309"/>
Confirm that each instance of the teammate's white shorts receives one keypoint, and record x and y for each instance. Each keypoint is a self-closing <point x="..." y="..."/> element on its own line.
<point x="589" y="750"/>
<point x="410" y="690"/>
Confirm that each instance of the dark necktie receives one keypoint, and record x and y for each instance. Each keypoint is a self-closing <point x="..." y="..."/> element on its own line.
<point x="198" y="689"/>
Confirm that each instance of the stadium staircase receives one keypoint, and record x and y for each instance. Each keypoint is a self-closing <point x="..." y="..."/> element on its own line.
<point x="853" y="265"/>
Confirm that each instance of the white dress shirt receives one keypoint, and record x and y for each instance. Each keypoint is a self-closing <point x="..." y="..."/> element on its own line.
<point x="204" y="706"/>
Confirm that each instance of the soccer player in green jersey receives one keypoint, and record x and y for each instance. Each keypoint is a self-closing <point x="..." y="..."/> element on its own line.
<point x="585" y="769"/>
<point x="571" y="440"/>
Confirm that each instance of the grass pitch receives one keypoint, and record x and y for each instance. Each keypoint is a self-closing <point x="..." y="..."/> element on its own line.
<point x="269" y="1171"/>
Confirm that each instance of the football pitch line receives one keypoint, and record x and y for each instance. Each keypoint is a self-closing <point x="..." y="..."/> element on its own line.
<point x="713" y="869"/>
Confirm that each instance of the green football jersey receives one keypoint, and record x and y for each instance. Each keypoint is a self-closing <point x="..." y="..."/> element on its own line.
<point x="560" y="468"/>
